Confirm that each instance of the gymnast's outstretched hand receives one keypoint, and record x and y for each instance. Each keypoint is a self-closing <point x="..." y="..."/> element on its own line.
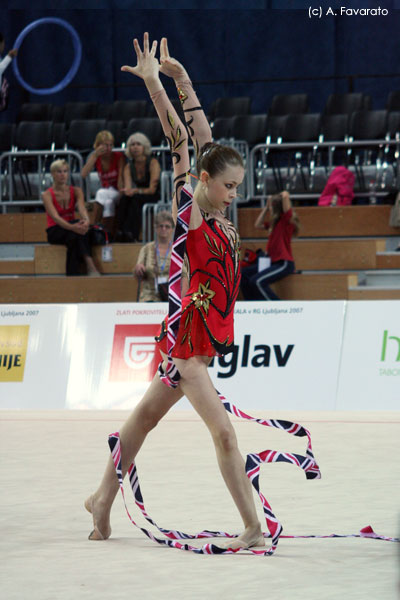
<point x="170" y="66"/>
<point x="147" y="67"/>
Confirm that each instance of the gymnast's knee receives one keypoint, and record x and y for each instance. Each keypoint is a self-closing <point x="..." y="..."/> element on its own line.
<point x="225" y="438"/>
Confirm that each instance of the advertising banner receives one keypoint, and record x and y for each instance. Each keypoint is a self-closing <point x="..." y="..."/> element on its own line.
<point x="35" y="351"/>
<point x="286" y="355"/>
<point x="370" y="363"/>
<point x="114" y="355"/>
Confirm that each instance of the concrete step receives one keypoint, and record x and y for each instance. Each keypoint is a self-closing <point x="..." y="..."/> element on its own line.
<point x="17" y="266"/>
<point x="388" y="260"/>
<point x="382" y="279"/>
<point x="17" y="251"/>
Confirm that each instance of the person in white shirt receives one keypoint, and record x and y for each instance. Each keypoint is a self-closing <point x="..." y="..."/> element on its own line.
<point x="7" y="59"/>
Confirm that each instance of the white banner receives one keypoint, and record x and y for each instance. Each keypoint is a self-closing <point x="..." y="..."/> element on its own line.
<point x="114" y="355"/>
<point x="287" y="355"/>
<point x="35" y="352"/>
<point x="370" y="364"/>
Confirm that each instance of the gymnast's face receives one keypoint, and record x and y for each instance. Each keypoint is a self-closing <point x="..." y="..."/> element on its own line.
<point x="222" y="188"/>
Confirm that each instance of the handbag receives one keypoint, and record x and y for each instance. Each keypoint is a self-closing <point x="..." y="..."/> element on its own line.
<point x="394" y="220"/>
<point x="98" y="236"/>
<point x="251" y="256"/>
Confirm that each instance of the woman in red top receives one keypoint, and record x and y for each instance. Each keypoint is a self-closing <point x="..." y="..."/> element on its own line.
<point x="60" y="202"/>
<point x="109" y="166"/>
<point x="282" y="226"/>
<point x="208" y="296"/>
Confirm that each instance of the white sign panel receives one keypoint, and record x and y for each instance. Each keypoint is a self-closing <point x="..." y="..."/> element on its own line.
<point x="370" y="366"/>
<point x="35" y="350"/>
<point x="286" y="356"/>
<point x="114" y="355"/>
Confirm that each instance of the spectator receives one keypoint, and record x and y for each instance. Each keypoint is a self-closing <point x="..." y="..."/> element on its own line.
<point x="141" y="186"/>
<point x="60" y="202"/>
<point x="3" y="66"/>
<point x="283" y="224"/>
<point x="109" y="166"/>
<point x="152" y="267"/>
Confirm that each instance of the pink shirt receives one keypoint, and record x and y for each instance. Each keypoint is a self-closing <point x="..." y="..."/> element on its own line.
<point x="109" y="178"/>
<point x="67" y="213"/>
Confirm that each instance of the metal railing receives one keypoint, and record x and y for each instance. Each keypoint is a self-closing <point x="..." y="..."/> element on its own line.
<point x="278" y="166"/>
<point x="14" y="177"/>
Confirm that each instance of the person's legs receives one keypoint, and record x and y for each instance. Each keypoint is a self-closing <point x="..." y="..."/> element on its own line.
<point x="122" y="216"/>
<point x="97" y="212"/>
<point x="109" y="198"/>
<point x="278" y="270"/>
<point x="138" y="201"/>
<point x="63" y="237"/>
<point x="249" y="290"/>
<point x="155" y="404"/>
<point x="196" y="384"/>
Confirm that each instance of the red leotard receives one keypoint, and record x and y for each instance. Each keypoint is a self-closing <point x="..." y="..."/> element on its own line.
<point x="212" y="250"/>
<point x="206" y="324"/>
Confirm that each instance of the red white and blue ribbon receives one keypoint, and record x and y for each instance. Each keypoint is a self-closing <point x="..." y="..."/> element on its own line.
<point x="173" y="536"/>
<point x="171" y="376"/>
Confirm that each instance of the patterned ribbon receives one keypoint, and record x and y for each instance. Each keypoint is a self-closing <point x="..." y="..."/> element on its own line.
<point x="171" y="376"/>
<point x="254" y="460"/>
<point x="173" y="536"/>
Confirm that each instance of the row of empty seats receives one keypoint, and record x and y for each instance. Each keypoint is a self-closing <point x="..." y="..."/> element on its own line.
<point x="254" y="129"/>
<point x="45" y="135"/>
<point x="309" y="127"/>
<point x="125" y="110"/>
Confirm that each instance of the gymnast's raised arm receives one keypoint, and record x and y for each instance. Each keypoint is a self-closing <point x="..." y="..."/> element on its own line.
<point x="196" y="121"/>
<point x="148" y="69"/>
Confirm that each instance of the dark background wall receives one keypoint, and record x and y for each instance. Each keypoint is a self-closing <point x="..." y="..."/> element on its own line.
<point x="228" y="50"/>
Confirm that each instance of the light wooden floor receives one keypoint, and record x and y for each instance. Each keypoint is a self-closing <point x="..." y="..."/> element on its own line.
<point x="50" y="461"/>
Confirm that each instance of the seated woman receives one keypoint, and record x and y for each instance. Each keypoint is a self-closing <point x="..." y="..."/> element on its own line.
<point x="282" y="225"/>
<point x="141" y="177"/>
<point x="60" y="201"/>
<point x="152" y="267"/>
<point x="109" y="166"/>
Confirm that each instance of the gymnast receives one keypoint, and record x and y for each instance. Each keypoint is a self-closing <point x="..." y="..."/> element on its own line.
<point x="209" y="291"/>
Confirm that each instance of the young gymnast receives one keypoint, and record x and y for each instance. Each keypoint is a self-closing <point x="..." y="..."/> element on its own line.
<point x="200" y="322"/>
<point x="208" y="297"/>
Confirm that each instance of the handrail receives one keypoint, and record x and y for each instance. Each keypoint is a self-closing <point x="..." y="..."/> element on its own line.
<point x="41" y="154"/>
<point x="316" y="146"/>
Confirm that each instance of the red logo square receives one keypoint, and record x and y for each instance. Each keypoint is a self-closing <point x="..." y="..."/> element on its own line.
<point x="135" y="356"/>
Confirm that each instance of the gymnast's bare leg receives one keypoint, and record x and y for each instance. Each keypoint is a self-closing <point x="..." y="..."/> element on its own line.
<point x="156" y="402"/>
<point x="197" y="386"/>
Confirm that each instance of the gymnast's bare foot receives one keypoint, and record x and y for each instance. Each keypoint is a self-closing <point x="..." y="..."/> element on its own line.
<point x="101" y="519"/>
<point x="251" y="537"/>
